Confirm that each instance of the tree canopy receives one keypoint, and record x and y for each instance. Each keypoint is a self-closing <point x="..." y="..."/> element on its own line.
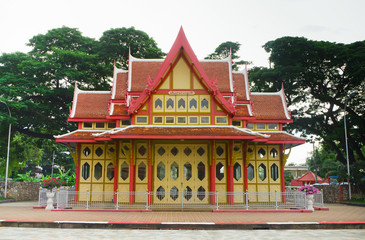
<point x="321" y="80"/>
<point x="227" y="49"/>
<point x="38" y="85"/>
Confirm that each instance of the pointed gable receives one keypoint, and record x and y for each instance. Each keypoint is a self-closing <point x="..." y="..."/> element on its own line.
<point x="181" y="49"/>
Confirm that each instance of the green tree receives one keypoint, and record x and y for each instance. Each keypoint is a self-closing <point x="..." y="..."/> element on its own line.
<point x="318" y="77"/>
<point x="115" y="45"/>
<point x="38" y="86"/>
<point x="227" y="49"/>
<point x="324" y="160"/>
<point x="288" y="176"/>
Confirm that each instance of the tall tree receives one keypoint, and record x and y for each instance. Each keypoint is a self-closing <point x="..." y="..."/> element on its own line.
<point x="115" y="45"/>
<point x="226" y="49"/>
<point x="38" y="86"/>
<point x="321" y="79"/>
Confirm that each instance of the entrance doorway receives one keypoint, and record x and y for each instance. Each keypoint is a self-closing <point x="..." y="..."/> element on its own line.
<point x="181" y="171"/>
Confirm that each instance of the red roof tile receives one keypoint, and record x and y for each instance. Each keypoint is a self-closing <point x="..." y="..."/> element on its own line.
<point x="141" y="71"/>
<point x="121" y="85"/>
<point x="77" y="135"/>
<point x="91" y="105"/>
<point x="282" y="136"/>
<point x="297" y="183"/>
<point x="155" y="132"/>
<point x="268" y="107"/>
<point x="242" y="111"/>
<point x="239" y="86"/>
<point x="310" y="177"/>
<point x="120" y="109"/>
<point x="221" y="72"/>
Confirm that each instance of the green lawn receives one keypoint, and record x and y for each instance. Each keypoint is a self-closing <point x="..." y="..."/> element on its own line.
<point x="2" y="198"/>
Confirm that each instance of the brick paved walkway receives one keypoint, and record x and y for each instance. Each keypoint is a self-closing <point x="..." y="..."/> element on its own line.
<point x="25" y="212"/>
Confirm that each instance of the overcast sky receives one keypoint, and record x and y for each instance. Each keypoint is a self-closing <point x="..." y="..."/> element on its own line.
<point x="206" y="23"/>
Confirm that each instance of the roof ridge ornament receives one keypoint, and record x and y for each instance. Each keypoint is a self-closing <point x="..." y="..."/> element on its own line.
<point x="149" y="85"/>
<point x="132" y="103"/>
<point x="214" y="85"/>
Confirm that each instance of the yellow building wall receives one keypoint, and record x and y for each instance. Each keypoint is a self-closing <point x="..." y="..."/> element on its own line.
<point x="97" y="166"/>
<point x="265" y="161"/>
<point x="181" y="76"/>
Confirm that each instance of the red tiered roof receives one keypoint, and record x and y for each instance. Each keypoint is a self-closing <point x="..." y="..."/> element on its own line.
<point x="132" y="88"/>
<point x="90" y="104"/>
<point x="270" y="106"/>
<point x="120" y="85"/>
<point x="306" y="179"/>
<point x="141" y="69"/>
<point x="240" y="86"/>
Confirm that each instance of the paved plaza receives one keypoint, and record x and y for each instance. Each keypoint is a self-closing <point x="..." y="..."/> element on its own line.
<point x="24" y="211"/>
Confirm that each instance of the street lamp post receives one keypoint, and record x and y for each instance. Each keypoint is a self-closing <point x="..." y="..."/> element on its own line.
<point x="7" y="157"/>
<point x="347" y="150"/>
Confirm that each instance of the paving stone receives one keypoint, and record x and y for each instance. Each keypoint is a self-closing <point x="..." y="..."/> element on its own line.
<point x="25" y="211"/>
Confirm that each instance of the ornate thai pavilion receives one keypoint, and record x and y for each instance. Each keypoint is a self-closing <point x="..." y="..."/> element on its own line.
<point x="181" y="128"/>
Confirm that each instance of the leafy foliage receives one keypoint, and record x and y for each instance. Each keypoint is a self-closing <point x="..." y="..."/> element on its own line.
<point x="321" y="79"/>
<point x="38" y="86"/>
<point x="26" y="177"/>
<point x="288" y="176"/>
<point x="115" y="45"/>
<point x="227" y="49"/>
<point x="67" y="178"/>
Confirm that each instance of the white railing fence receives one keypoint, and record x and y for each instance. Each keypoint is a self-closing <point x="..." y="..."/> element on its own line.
<point x="70" y="199"/>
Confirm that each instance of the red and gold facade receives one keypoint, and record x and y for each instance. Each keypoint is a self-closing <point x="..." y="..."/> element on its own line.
<point x="180" y="125"/>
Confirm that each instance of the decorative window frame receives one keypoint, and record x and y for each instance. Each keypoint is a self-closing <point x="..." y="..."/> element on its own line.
<point x="177" y="120"/>
<point x="141" y="123"/>
<point x="108" y="127"/>
<point x="201" y="98"/>
<point x="154" y="99"/>
<point x="167" y="98"/>
<point x="166" y="123"/>
<point x="189" y="120"/>
<point x="177" y="104"/>
<point x="273" y="129"/>
<point x="124" y="125"/>
<point x="260" y="129"/>
<point x="101" y="128"/>
<point x="201" y="122"/>
<point x="216" y="120"/>
<point x="83" y="125"/>
<point x="240" y="123"/>
<point x="158" y="123"/>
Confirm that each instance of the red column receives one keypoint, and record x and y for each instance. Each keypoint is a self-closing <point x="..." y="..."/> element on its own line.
<point x="212" y="172"/>
<point x="230" y="188"/>
<point x="132" y="174"/>
<point x="150" y="170"/>
<point x="116" y="169"/>
<point x="282" y="173"/>
<point x="77" y="181"/>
